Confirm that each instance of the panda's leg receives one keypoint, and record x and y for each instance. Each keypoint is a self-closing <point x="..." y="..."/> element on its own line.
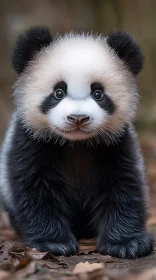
<point x="42" y="226"/>
<point x="59" y="240"/>
<point x="121" y="221"/>
<point x="47" y="232"/>
<point x="42" y="220"/>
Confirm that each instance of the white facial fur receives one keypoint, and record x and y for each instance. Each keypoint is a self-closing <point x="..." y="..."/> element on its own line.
<point x="89" y="107"/>
<point x="78" y="60"/>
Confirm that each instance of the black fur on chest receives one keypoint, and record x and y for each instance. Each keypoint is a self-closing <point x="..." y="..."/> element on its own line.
<point x="77" y="166"/>
<point x="72" y="180"/>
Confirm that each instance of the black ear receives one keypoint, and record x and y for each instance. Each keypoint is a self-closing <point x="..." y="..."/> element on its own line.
<point x="30" y="42"/>
<point x="127" y="49"/>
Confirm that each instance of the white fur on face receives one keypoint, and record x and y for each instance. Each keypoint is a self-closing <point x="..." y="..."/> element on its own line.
<point x="79" y="61"/>
<point x="58" y="117"/>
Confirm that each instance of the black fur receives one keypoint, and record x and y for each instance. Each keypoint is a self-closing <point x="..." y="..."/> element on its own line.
<point x="50" y="101"/>
<point x="127" y="49"/>
<point x="28" y="44"/>
<point x="61" y="85"/>
<point x="106" y="103"/>
<point x="63" y="193"/>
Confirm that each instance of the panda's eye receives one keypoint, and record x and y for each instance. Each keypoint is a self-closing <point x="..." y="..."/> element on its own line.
<point x="98" y="95"/>
<point x="59" y="93"/>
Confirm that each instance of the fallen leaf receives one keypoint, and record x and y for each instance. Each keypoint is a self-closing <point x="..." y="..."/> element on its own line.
<point x="107" y="259"/>
<point x="36" y="255"/>
<point x="4" y="275"/>
<point x="50" y="256"/>
<point x="149" y="274"/>
<point x="28" y="270"/>
<point x="50" y="264"/>
<point x="87" y="267"/>
<point x="20" y="263"/>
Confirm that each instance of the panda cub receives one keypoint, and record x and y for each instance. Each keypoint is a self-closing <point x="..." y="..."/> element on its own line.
<point x="70" y="163"/>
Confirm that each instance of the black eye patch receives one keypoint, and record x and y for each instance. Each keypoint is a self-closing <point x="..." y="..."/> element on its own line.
<point x="51" y="101"/>
<point x="97" y="86"/>
<point x="61" y="85"/>
<point x="105" y="102"/>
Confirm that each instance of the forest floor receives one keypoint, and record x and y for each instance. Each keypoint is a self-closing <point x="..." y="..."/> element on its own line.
<point x="18" y="262"/>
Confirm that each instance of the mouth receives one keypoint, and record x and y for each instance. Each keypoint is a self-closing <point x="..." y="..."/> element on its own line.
<point x="75" y="133"/>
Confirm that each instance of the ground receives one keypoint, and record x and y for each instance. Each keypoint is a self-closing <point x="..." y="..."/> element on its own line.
<point x="19" y="262"/>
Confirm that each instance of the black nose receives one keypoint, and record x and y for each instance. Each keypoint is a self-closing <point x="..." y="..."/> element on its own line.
<point x="78" y="119"/>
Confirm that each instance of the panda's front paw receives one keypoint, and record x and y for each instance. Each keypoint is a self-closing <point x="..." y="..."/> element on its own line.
<point x="141" y="245"/>
<point x="66" y="248"/>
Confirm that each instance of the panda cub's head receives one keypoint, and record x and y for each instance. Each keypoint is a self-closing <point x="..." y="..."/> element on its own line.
<point x="75" y="86"/>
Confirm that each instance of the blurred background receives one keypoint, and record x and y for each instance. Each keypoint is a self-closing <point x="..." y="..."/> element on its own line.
<point x="136" y="16"/>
